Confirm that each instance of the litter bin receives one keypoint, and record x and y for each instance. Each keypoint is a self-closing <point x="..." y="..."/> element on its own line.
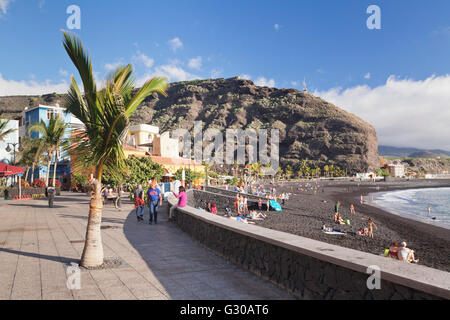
<point x="51" y="197"/>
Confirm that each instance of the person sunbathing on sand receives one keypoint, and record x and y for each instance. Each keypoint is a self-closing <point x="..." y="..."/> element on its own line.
<point x="406" y="254"/>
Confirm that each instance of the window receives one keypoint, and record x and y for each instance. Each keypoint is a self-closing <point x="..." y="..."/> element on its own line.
<point x="53" y="112"/>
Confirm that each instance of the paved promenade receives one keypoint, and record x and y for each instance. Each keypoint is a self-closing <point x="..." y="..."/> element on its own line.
<point x="159" y="262"/>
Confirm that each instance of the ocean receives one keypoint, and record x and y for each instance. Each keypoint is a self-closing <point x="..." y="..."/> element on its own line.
<point x="413" y="204"/>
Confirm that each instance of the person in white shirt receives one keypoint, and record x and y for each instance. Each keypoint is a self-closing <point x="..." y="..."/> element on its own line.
<point x="405" y="254"/>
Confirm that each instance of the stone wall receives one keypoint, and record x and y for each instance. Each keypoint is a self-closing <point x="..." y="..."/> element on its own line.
<point x="307" y="268"/>
<point x="12" y="192"/>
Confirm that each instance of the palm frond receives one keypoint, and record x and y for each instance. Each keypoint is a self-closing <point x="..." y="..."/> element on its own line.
<point x="3" y="131"/>
<point x="105" y="113"/>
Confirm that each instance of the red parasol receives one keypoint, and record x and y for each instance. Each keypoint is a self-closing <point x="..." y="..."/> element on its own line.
<point x="7" y="170"/>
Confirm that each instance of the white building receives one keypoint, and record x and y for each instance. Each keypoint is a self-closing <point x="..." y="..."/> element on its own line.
<point x="142" y="136"/>
<point x="396" y="170"/>
<point x="8" y="157"/>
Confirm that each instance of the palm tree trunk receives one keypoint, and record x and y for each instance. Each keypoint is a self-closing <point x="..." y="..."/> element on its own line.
<point x="26" y="175"/>
<point x="32" y="173"/>
<point x="48" y="172"/>
<point x="54" y="169"/>
<point x="93" y="249"/>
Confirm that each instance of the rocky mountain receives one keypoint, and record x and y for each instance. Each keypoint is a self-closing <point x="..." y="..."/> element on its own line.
<point x="423" y="166"/>
<point x="388" y="151"/>
<point x="310" y="128"/>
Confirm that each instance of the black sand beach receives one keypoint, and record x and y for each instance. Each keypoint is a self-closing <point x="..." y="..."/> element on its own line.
<point x="305" y="214"/>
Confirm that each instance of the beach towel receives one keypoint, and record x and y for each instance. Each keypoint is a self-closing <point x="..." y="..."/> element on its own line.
<point x="334" y="232"/>
<point x="275" y="205"/>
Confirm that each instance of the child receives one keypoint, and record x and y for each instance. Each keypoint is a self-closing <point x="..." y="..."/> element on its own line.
<point x="214" y="209"/>
<point x="352" y="209"/>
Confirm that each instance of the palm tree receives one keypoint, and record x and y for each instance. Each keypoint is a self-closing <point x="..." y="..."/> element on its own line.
<point x="28" y="154"/>
<point x="207" y="166"/>
<point x="3" y="131"/>
<point x="105" y="115"/>
<point x="326" y="169"/>
<point x="37" y="158"/>
<point x="53" y="139"/>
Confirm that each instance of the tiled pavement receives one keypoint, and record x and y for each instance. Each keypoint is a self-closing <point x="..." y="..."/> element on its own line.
<point x="159" y="261"/>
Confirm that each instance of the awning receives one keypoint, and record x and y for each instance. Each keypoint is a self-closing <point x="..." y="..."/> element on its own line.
<point x="7" y="170"/>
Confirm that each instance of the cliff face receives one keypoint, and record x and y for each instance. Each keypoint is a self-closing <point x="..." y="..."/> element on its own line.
<point x="310" y="128"/>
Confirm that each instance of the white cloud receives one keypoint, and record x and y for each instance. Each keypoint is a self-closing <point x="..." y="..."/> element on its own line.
<point x="175" y="44"/>
<point x="31" y="87"/>
<point x="112" y="66"/>
<point x="404" y="112"/>
<point x="172" y="72"/>
<point x="145" y="60"/>
<point x="294" y="83"/>
<point x="195" y="63"/>
<point x="63" y="72"/>
<point x="367" y="76"/>
<point x="245" y="76"/>
<point x="4" y="6"/>
<point x="276" y="26"/>
<point x="263" y="82"/>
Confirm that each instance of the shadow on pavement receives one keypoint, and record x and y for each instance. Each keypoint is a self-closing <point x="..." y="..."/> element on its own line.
<point x="188" y="271"/>
<point x="41" y="256"/>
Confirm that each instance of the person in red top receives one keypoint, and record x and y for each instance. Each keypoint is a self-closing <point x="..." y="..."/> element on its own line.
<point x="139" y="203"/>
<point x="213" y="208"/>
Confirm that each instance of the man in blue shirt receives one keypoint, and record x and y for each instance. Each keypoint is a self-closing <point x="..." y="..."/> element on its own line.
<point x="154" y="199"/>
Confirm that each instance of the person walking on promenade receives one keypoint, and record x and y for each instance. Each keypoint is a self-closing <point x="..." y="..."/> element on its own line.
<point x="182" y="201"/>
<point x="352" y="209"/>
<point x="259" y="204"/>
<point x="154" y="200"/>
<point x="139" y="202"/>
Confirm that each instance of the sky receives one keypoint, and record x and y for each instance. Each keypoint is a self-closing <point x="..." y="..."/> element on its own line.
<point x="397" y="78"/>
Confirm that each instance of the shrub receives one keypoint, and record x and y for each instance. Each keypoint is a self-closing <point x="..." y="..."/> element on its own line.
<point x="38" y="183"/>
<point x="24" y="184"/>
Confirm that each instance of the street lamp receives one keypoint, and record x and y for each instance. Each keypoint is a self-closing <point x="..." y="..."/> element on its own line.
<point x="8" y="149"/>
